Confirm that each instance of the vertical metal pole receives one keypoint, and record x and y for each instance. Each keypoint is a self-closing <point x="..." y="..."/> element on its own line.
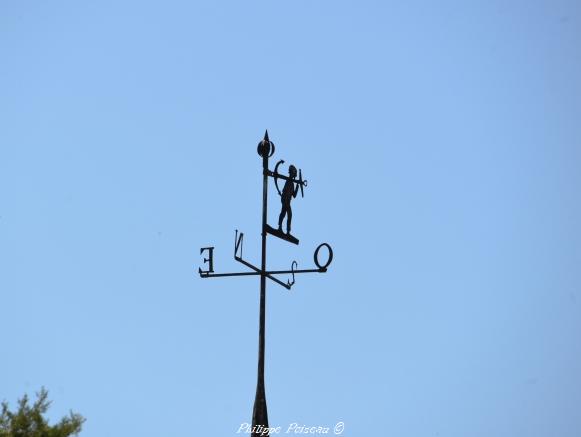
<point x="259" y="413"/>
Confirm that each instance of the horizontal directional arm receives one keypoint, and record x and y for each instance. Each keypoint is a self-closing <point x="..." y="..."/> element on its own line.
<point x="258" y="272"/>
<point x="221" y="275"/>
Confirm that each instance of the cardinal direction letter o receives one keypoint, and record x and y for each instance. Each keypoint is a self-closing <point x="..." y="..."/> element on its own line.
<point x="323" y="267"/>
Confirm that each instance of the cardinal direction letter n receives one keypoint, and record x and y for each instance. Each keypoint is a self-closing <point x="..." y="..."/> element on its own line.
<point x="238" y="240"/>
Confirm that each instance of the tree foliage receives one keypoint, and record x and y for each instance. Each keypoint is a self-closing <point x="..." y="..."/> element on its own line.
<point x="28" y="420"/>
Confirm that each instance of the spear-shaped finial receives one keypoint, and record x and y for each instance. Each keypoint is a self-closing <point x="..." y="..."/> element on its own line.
<point x="265" y="147"/>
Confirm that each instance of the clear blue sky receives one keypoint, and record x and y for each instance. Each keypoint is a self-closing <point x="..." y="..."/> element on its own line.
<point x="442" y="145"/>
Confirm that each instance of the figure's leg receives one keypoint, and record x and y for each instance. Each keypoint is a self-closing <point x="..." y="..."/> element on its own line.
<point x="289" y="217"/>
<point x="281" y="216"/>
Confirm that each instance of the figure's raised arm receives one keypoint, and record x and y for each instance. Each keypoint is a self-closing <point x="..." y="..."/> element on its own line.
<point x="296" y="190"/>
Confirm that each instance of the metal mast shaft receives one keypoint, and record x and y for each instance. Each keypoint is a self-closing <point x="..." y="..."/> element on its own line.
<point x="260" y="414"/>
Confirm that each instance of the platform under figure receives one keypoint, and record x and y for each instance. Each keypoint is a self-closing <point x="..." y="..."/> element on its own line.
<point x="289" y="192"/>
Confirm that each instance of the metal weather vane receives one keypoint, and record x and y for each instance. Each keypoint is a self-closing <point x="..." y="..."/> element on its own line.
<point x="289" y="191"/>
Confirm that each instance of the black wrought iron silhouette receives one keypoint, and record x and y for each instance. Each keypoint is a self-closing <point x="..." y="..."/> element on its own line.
<point x="266" y="150"/>
<point x="290" y="190"/>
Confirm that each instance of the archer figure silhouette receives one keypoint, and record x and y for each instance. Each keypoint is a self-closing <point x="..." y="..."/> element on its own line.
<point x="289" y="191"/>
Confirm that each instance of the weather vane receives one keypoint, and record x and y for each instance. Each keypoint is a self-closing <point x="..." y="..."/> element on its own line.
<point x="290" y="190"/>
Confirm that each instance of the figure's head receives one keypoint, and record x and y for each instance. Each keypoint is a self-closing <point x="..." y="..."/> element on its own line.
<point x="292" y="171"/>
